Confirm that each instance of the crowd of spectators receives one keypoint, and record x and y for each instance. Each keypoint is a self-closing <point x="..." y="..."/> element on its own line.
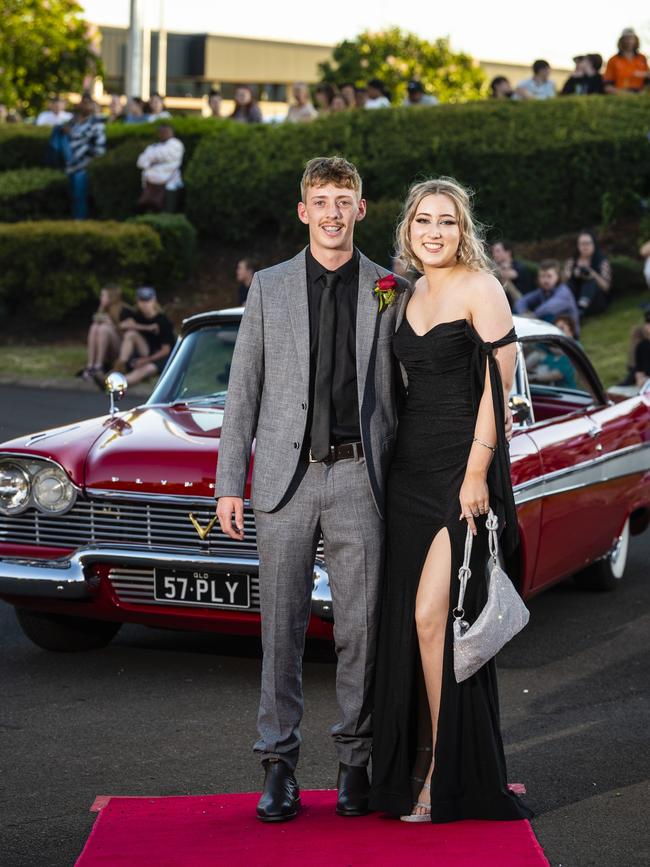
<point x="626" y="72"/>
<point x="567" y="294"/>
<point x="578" y="288"/>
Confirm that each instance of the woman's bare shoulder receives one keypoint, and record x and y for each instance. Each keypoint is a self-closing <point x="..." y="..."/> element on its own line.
<point x="489" y="310"/>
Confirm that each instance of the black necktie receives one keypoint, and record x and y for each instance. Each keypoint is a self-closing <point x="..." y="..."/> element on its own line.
<point x="320" y="426"/>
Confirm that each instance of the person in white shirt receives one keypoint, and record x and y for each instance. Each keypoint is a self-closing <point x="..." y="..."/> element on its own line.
<point x="539" y="86"/>
<point x="56" y="115"/>
<point x="157" y="108"/>
<point x="302" y="111"/>
<point x="416" y="94"/>
<point x="161" y="171"/>
<point x="377" y="95"/>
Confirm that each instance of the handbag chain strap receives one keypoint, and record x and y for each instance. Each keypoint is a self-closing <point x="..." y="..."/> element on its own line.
<point x="464" y="573"/>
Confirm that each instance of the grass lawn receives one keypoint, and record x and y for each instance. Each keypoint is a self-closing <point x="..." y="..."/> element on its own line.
<point x="48" y="361"/>
<point x="604" y="338"/>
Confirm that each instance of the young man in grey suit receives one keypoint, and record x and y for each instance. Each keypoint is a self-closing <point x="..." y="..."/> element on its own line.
<point x="313" y="380"/>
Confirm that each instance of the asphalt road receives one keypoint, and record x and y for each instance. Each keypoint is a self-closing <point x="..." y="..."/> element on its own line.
<point x="162" y="713"/>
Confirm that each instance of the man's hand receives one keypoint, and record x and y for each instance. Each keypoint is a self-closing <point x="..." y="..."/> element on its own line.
<point x="226" y="508"/>
<point x="508" y="423"/>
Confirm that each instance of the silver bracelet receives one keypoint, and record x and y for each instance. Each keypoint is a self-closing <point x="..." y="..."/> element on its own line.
<point x="492" y="448"/>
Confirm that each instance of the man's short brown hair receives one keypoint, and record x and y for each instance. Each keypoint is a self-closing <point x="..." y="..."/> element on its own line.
<point x="550" y="265"/>
<point x="330" y="170"/>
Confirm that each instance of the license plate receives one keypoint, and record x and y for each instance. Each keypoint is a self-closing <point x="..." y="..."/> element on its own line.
<point x="197" y="587"/>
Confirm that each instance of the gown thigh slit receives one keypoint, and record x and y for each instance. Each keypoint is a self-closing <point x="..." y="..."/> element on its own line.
<point x="446" y="375"/>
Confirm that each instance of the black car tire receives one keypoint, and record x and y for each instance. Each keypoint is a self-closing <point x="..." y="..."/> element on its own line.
<point x="607" y="574"/>
<point x="63" y="633"/>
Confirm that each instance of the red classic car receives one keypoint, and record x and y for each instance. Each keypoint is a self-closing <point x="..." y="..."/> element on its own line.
<point x="111" y="520"/>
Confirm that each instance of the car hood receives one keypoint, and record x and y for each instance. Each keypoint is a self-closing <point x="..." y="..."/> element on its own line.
<point x="158" y="449"/>
<point x="67" y="445"/>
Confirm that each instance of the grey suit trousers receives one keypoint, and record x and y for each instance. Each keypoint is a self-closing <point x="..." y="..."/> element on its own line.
<point x="336" y="500"/>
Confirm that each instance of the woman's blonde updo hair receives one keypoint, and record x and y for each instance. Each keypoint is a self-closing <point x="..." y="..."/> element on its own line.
<point x="471" y="249"/>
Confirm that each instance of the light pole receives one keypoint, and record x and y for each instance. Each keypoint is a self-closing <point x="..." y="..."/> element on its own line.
<point x="134" y="50"/>
<point x="138" y="66"/>
<point x="161" y="69"/>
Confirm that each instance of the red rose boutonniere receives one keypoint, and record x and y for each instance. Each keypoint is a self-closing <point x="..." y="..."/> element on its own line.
<point x="386" y="290"/>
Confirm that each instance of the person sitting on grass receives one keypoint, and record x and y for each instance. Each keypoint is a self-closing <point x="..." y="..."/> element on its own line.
<point x="513" y="275"/>
<point x="148" y="338"/>
<point x="552" y="297"/>
<point x="549" y="365"/>
<point x="589" y="275"/>
<point x="638" y="334"/>
<point x="644" y="252"/>
<point x="104" y="337"/>
<point x="566" y="324"/>
<point x="642" y="352"/>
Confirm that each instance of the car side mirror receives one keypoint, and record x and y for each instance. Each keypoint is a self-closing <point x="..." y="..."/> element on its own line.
<point x="520" y="408"/>
<point x="115" y="385"/>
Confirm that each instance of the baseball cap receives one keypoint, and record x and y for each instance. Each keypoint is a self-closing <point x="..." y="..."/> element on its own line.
<point x="415" y="86"/>
<point x="628" y="31"/>
<point x="145" y="293"/>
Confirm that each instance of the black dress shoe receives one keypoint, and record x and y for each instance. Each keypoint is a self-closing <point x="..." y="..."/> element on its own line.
<point x="353" y="791"/>
<point x="280" y="799"/>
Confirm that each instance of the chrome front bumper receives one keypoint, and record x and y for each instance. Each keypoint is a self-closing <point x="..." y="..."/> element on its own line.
<point x="73" y="577"/>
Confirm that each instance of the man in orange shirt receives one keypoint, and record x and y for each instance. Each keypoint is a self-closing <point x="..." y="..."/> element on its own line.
<point x="626" y="71"/>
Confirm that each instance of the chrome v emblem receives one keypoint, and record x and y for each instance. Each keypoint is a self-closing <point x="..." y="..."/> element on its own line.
<point x="202" y="531"/>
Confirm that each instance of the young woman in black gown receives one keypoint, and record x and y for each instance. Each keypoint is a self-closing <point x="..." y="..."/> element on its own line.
<point x="437" y="752"/>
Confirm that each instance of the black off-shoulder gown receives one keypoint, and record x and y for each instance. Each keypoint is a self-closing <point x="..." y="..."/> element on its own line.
<point x="446" y="376"/>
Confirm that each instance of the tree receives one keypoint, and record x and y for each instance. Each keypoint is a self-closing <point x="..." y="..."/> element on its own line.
<point x="45" y="48"/>
<point x="395" y="57"/>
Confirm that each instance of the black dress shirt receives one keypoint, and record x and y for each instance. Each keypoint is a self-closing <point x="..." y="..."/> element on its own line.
<point x="345" y="427"/>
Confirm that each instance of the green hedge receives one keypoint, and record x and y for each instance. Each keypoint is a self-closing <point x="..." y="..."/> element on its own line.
<point x="179" y="248"/>
<point x="33" y="194"/>
<point x="116" y="181"/>
<point x="52" y="268"/>
<point x="539" y="169"/>
<point x="24" y="146"/>
<point x="627" y="275"/>
<point x="375" y="234"/>
<point x="644" y="229"/>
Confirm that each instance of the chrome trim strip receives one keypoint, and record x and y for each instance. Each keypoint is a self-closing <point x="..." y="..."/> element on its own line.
<point x="69" y="577"/>
<point x="624" y="462"/>
<point x="188" y="500"/>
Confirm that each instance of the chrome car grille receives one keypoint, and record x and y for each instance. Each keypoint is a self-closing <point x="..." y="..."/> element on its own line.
<point x="151" y="524"/>
<point x="136" y="586"/>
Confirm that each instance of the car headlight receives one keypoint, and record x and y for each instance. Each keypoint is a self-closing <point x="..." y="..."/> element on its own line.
<point x="52" y="490"/>
<point x="15" y="489"/>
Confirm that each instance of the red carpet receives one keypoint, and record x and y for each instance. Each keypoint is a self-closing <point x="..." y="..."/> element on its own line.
<point x="222" y="831"/>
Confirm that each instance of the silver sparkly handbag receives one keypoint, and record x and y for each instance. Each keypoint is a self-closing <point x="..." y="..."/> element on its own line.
<point x="503" y="616"/>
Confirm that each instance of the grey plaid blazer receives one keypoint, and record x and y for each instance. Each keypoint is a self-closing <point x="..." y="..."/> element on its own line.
<point x="268" y="389"/>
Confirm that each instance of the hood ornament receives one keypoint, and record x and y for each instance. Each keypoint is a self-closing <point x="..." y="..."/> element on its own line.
<point x="202" y="531"/>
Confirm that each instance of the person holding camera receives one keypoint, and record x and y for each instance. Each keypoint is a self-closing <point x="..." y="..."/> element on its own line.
<point x="589" y="275"/>
<point x="551" y="299"/>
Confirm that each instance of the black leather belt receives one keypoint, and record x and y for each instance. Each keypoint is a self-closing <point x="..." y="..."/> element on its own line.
<point x="341" y="453"/>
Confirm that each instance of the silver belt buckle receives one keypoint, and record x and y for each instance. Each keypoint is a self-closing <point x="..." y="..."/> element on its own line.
<point x="312" y="459"/>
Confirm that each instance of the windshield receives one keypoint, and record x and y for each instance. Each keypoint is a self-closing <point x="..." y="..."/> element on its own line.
<point x="199" y="371"/>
